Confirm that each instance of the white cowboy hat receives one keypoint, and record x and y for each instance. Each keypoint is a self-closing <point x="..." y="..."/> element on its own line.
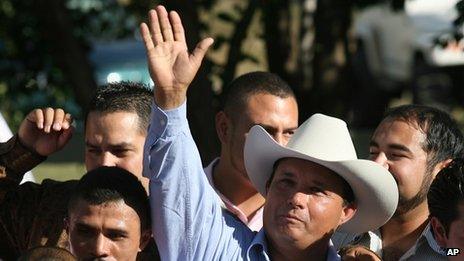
<point x="326" y="141"/>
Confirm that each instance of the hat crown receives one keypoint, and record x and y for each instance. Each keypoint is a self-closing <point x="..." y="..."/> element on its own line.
<point x="324" y="137"/>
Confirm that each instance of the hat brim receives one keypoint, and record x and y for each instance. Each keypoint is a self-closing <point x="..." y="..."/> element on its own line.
<point x="374" y="188"/>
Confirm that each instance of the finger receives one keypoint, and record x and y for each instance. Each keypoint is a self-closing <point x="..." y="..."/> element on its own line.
<point x="64" y="137"/>
<point x="36" y="117"/>
<point x="200" y="51"/>
<point x="166" y="29"/>
<point x="146" y="36"/>
<point x="58" y="119"/>
<point x="67" y="121"/>
<point x="155" y="29"/>
<point x="48" y="119"/>
<point x="177" y="28"/>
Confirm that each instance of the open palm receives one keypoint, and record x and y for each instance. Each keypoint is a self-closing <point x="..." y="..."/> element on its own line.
<point x="171" y="66"/>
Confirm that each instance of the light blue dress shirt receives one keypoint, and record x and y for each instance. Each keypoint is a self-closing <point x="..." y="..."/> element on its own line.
<point x="187" y="218"/>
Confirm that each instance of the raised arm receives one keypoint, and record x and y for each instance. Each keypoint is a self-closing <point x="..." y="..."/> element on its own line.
<point x="188" y="222"/>
<point x="46" y="131"/>
<point x="42" y="132"/>
<point x="171" y="66"/>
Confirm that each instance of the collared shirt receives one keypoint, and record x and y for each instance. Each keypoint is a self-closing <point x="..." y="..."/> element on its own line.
<point x="255" y="223"/>
<point x="187" y="218"/>
<point x="425" y="248"/>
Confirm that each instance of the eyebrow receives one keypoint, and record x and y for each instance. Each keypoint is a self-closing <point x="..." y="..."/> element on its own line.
<point x="119" y="145"/>
<point x="268" y="127"/>
<point x="109" y="230"/>
<point x="394" y="146"/>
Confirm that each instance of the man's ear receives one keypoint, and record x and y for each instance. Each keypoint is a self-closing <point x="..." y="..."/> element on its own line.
<point x="222" y="126"/>
<point x="268" y="185"/>
<point x="441" y="165"/>
<point x="144" y="238"/>
<point x="348" y="212"/>
<point x="439" y="232"/>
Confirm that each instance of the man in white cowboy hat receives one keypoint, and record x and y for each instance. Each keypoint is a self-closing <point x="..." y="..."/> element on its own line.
<point x="313" y="186"/>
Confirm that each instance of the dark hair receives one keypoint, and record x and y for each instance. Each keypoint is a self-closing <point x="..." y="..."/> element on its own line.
<point x="443" y="139"/>
<point x="47" y="253"/>
<point x="242" y="88"/>
<point x="446" y="193"/>
<point x="126" y="97"/>
<point x="348" y="194"/>
<point x="110" y="184"/>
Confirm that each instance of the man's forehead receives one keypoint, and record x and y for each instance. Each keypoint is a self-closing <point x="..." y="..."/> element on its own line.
<point x="87" y="213"/>
<point x="398" y="131"/>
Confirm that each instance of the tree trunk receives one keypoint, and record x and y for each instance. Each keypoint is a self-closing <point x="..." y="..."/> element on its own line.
<point x="201" y="99"/>
<point x="57" y="28"/>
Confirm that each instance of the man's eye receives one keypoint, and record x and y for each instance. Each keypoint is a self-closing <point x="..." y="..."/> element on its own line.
<point x="286" y="182"/>
<point x="116" y="236"/>
<point x="290" y="132"/>
<point x="373" y="154"/>
<point x="316" y="191"/>
<point x="120" y="152"/>
<point x="93" y="151"/>
<point x="85" y="232"/>
<point x="397" y="156"/>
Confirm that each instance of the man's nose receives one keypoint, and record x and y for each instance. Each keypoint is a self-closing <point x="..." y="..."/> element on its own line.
<point x="297" y="200"/>
<point x="107" y="159"/>
<point x="100" y="247"/>
<point x="280" y="138"/>
<point x="381" y="159"/>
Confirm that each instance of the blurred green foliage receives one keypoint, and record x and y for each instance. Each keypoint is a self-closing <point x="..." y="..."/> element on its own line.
<point x="30" y="76"/>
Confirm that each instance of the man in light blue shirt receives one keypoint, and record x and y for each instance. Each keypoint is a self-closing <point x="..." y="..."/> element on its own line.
<point x="313" y="186"/>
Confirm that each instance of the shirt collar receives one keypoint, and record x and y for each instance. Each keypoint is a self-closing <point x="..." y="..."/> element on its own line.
<point x="425" y="239"/>
<point x="259" y="244"/>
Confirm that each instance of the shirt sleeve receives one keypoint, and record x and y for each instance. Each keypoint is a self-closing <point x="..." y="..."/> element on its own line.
<point x="15" y="161"/>
<point x="188" y="222"/>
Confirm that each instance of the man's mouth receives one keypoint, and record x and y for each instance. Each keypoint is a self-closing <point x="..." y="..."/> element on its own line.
<point x="290" y="218"/>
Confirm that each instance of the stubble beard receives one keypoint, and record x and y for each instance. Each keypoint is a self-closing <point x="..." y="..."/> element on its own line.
<point x="406" y="205"/>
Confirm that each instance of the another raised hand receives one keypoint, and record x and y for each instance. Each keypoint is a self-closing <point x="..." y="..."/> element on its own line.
<point x="46" y="131"/>
<point x="171" y="66"/>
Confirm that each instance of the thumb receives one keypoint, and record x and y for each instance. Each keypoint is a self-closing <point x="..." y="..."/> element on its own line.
<point x="200" y="51"/>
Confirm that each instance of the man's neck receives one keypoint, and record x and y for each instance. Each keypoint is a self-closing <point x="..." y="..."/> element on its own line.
<point x="317" y="252"/>
<point x="401" y="232"/>
<point x="236" y="188"/>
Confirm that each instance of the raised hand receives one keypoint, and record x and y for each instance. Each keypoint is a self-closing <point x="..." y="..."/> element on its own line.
<point x="171" y="66"/>
<point x="46" y="131"/>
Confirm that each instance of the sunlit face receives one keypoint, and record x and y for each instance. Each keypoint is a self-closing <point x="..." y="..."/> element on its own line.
<point x="278" y="116"/>
<point x="397" y="145"/>
<point x="110" y="231"/>
<point x="114" y="139"/>
<point x="304" y="205"/>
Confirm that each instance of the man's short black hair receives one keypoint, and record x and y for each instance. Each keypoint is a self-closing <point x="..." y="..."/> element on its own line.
<point x="111" y="184"/>
<point x="443" y="139"/>
<point x="123" y="97"/>
<point x="242" y="88"/>
<point x="447" y="193"/>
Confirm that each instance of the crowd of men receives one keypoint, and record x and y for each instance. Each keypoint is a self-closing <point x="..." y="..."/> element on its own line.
<point x="277" y="191"/>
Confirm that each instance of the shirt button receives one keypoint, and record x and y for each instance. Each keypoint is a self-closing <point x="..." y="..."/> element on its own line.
<point x="162" y="122"/>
